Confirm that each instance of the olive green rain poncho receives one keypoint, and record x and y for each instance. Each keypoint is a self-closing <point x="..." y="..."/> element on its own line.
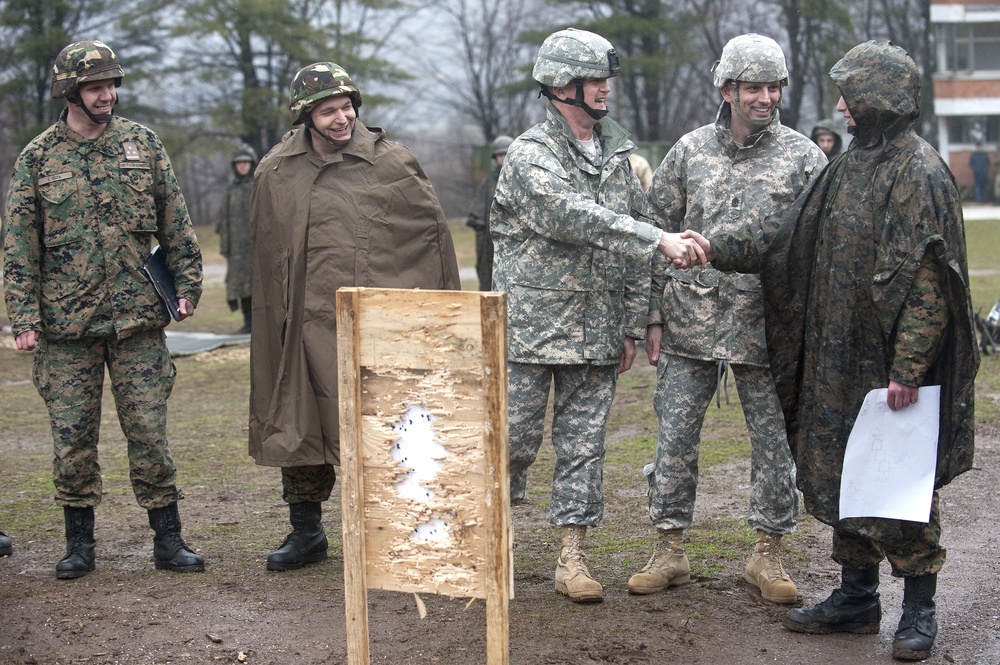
<point x="845" y="309"/>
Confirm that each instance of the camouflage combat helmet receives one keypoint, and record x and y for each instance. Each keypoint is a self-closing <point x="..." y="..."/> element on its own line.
<point x="571" y="54"/>
<point x="500" y="145"/>
<point x="244" y="154"/>
<point x="752" y="58"/>
<point x="319" y="81"/>
<point x="81" y="62"/>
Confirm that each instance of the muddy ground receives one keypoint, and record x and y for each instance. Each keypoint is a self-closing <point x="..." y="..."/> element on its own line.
<point x="236" y="612"/>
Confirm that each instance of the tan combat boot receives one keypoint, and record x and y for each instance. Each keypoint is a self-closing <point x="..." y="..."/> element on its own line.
<point x="765" y="572"/>
<point x="572" y="577"/>
<point x="666" y="568"/>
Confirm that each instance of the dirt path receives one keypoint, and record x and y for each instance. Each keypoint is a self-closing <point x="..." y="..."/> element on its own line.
<point x="125" y="612"/>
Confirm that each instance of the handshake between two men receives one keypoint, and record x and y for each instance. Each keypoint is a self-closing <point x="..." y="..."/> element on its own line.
<point x="686" y="249"/>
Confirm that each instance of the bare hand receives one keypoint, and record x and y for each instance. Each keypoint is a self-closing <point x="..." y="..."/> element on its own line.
<point x="683" y="252"/>
<point x="901" y="395"/>
<point x="654" y="333"/>
<point x="628" y="355"/>
<point x="703" y="242"/>
<point x="185" y="308"/>
<point x="28" y="340"/>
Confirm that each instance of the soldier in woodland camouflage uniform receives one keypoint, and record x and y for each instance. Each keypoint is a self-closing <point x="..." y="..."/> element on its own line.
<point x="866" y="286"/>
<point x="573" y="257"/>
<point x="88" y="198"/>
<point x="234" y="235"/>
<point x="744" y="166"/>
<point x="479" y="216"/>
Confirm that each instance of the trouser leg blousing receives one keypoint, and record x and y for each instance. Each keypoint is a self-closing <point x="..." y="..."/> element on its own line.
<point x="79" y="559"/>
<point x="306" y="543"/>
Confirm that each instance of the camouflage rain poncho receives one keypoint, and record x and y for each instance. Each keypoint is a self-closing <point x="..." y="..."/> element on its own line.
<point x="845" y="312"/>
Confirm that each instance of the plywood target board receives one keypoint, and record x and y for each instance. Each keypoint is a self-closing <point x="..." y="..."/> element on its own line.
<point x="425" y="487"/>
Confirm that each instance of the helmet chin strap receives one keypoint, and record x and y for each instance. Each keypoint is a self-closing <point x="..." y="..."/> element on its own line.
<point x="96" y="118"/>
<point x="596" y="114"/>
<point x="756" y="122"/>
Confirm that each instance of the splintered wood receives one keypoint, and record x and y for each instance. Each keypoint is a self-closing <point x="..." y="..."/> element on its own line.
<point x="423" y="388"/>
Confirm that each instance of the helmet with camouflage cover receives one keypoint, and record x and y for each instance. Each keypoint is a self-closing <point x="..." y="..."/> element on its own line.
<point x="500" y="145"/>
<point x="244" y="154"/>
<point x="571" y="55"/>
<point x="319" y="81"/>
<point x="81" y="62"/>
<point x="753" y="58"/>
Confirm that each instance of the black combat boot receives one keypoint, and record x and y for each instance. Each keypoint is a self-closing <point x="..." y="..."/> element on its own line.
<point x="853" y="608"/>
<point x="79" y="559"/>
<point x="170" y="552"/>
<point x="6" y="545"/>
<point x="918" y="625"/>
<point x="306" y="543"/>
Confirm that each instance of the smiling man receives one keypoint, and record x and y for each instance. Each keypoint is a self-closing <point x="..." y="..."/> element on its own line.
<point x="88" y="199"/>
<point x="740" y="168"/>
<point x="572" y="251"/>
<point x="334" y="204"/>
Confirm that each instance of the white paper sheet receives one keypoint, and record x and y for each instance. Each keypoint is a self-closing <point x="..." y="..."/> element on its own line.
<point x="891" y="458"/>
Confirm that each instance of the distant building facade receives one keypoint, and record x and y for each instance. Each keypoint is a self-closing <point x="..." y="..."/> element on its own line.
<point x="966" y="80"/>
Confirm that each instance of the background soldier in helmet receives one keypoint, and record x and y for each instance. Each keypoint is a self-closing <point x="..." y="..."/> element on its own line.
<point x="89" y="197"/>
<point x="742" y="167"/>
<point x="334" y="204"/>
<point x="234" y="235"/>
<point x="573" y="257"/>
<point x="479" y="216"/>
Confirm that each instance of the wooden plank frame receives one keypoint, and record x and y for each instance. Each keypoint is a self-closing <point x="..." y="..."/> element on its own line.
<point x="439" y="357"/>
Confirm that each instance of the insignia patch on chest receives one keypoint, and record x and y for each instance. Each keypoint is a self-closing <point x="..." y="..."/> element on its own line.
<point x="131" y="152"/>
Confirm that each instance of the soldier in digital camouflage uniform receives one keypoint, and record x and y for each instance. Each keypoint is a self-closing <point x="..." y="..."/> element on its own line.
<point x="719" y="177"/>
<point x="6" y="545"/>
<point x="866" y="286"/>
<point x="234" y="235"/>
<point x="479" y="215"/>
<point x="572" y="253"/>
<point x="334" y="204"/>
<point x="89" y="197"/>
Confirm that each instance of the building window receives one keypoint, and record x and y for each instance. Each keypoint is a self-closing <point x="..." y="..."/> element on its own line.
<point x="965" y="47"/>
<point x="972" y="129"/>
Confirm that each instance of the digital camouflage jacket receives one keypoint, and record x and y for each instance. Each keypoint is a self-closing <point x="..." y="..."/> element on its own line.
<point x="82" y="216"/>
<point x="711" y="184"/>
<point x="867" y="282"/>
<point x="570" y="250"/>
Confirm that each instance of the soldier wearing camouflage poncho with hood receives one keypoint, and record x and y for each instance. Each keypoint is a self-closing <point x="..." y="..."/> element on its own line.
<point x="866" y="286"/>
<point x="573" y="247"/>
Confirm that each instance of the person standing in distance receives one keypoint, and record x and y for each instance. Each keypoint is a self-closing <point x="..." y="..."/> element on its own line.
<point x="88" y="198"/>
<point x="742" y="167"/>
<point x="479" y="216"/>
<point x="572" y="252"/>
<point x="234" y="235"/>
<point x="334" y="204"/>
